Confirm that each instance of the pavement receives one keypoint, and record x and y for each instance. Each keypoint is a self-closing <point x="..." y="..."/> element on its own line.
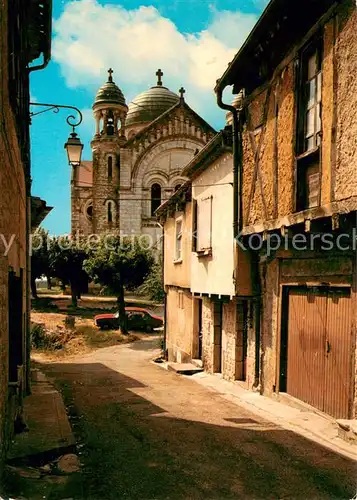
<point x="148" y="433"/>
<point x="42" y="462"/>
<point x="49" y="431"/>
<point x="304" y="421"/>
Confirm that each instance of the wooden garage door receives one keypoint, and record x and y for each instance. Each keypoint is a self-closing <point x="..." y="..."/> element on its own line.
<point x="319" y="348"/>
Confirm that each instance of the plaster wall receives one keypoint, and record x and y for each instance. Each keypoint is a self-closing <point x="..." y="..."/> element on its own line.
<point x="214" y="274"/>
<point x="345" y="182"/>
<point x="178" y="273"/>
<point x="269" y="165"/>
<point x="179" y="319"/>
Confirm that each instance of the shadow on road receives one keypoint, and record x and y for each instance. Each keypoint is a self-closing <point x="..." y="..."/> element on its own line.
<point x="135" y="449"/>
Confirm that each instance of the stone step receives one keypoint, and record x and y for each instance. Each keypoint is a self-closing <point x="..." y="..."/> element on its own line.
<point x="197" y="362"/>
<point x="347" y="430"/>
<point x="184" y="368"/>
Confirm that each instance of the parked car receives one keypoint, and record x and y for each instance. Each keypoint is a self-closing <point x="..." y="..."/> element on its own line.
<point x="138" y="319"/>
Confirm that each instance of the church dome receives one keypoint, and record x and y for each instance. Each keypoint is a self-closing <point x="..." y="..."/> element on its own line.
<point x="151" y="104"/>
<point x="109" y="93"/>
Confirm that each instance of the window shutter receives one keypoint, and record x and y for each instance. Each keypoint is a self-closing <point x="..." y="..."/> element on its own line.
<point x="194" y="225"/>
<point x="204" y="224"/>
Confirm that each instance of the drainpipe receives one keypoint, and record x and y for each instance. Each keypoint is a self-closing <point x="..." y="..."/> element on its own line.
<point x="237" y="166"/>
<point x="238" y="214"/>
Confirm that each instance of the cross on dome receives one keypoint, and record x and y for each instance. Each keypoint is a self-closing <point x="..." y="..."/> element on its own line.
<point x="110" y="71"/>
<point x="159" y="75"/>
<point x="182" y="92"/>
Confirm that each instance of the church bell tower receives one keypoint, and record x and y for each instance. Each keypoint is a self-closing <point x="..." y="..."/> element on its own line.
<point x="110" y="111"/>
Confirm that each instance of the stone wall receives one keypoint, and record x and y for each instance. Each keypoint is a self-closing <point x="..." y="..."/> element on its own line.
<point x="13" y="202"/>
<point x="229" y="341"/>
<point x="105" y="190"/>
<point x="224" y="335"/>
<point x="81" y="224"/>
<point x="208" y="334"/>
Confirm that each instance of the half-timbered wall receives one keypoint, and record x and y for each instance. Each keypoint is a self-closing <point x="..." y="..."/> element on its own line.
<point x="269" y="135"/>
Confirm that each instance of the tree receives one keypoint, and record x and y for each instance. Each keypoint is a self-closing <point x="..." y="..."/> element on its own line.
<point x="122" y="262"/>
<point x="66" y="262"/>
<point x="153" y="284"/>
<point x="40" y="260"/>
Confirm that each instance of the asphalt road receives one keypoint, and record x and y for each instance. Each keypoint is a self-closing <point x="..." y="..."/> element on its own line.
<point x="147" y="433"/>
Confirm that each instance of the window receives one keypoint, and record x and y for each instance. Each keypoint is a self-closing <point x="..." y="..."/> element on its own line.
<point x="177" y="187"/>
<point x="308" y="182"/>
<point x="110" y="212"/>
<point x="203" y="225"/>
<point x="155" y="198"/>
<point x="178" y="240"/>
<point x="110" y="168"/>
<point x="309" y="119"/>
<point x="110" y="123"/>
<point x="89" y="211"/>
<point x="309" y="127"/>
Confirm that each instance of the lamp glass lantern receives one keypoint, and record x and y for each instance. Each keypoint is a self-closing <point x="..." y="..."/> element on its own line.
<point x="74" y="149"/>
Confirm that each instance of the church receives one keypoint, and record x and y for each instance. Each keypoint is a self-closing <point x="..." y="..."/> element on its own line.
<point x="138" y="155"/>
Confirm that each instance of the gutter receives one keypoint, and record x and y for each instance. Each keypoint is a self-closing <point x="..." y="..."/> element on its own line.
<point x="47" y="50"/>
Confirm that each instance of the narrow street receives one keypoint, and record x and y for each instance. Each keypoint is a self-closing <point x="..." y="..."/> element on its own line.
<point x="149" y="433"/>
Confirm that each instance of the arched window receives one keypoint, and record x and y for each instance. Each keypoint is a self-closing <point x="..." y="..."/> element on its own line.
<point x="177" y="186"/>
<point x="155" y="198"/>
<point x="110" y="168"/>
<point x="90" y="211"/>
<point x="110" y="123"/>
<point x="110" y="211"/>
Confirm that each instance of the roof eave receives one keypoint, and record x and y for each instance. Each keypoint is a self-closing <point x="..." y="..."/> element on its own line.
<point x="219" y="145"/>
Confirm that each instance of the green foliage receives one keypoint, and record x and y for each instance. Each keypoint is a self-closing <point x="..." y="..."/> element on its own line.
<point x="125" y="262"/>
<point x="40" y="260"/>
<point x="40" y="264"/>
<point x="66" y="263"/>
<point x="122" y="262"/>
<point x="153" y="285"/>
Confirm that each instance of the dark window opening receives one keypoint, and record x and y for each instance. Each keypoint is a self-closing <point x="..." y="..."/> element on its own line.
<point x="110" y="123"/>
<point x="155" y="198"/>
<point x="309" y="127"/>
<point x="177" y="187"/>
<point x="90" y="211"/>
<point x="308" y="182"/>
<point x="110" y="212"/>
<point x="110" y="168"/>
<point x="309" y="98"/>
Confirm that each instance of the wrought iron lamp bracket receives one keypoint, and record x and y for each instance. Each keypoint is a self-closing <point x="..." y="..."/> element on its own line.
<point x="71" y="119"/>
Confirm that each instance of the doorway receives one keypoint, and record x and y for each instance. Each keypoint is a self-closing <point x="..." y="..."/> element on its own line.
<point x="316" y="346"/>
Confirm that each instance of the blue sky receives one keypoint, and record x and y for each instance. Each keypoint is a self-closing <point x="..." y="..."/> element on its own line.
<point x="191" y="40"/>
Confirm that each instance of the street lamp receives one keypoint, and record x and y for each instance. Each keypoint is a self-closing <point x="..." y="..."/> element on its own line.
<point x="73" y="146"/>
<point x="74" y="149"/>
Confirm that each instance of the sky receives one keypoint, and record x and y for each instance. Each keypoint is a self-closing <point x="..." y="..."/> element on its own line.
<point x="192" y="41"/>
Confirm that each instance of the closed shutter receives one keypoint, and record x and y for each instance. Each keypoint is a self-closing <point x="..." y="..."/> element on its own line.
<point x="204" y="225"/>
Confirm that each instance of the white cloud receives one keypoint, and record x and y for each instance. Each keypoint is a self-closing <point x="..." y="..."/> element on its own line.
<point x="90" y="37"/>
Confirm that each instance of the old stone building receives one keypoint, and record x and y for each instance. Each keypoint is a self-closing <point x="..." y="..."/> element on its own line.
<point x="296" y="154"/>
<point x="206" y="320"/>
<point x="25" y="35"/>
<point x="138" y="155"/>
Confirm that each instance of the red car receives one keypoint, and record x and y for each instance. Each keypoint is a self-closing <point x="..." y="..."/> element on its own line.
<point x="138" y="319"/>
